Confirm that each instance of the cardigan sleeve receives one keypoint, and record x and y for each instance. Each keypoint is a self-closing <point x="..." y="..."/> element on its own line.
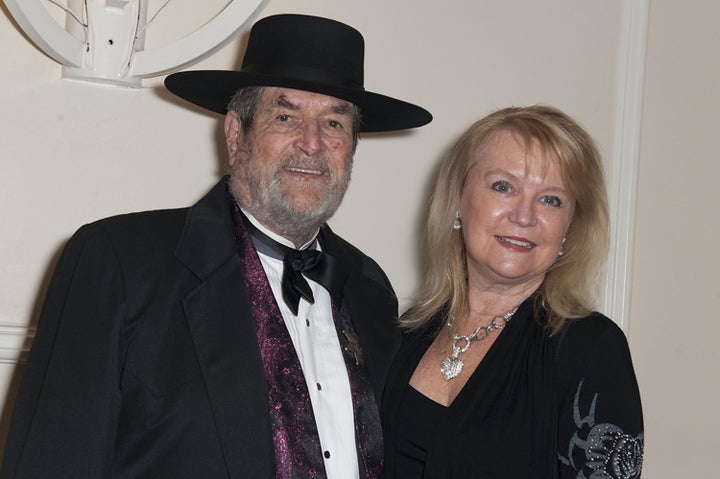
<point x="600" y="417"/>
<point x="66" y="411"/>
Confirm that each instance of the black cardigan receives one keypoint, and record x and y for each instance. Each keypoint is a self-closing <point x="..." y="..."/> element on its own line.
<point x="537" y="406"/>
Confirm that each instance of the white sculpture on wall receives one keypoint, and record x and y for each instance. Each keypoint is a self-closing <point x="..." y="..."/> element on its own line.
<point x="106" y="43"/>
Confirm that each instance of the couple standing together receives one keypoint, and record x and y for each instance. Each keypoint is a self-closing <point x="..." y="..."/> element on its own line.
<point x="242" y="338"/>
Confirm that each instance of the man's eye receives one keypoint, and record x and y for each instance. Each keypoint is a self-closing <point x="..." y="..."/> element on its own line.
<point x="334" y="124"/>
<point x="501" y="186"/>
<point x="283" y="118"/>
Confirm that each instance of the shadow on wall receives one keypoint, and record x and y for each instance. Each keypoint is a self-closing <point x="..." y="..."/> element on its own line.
<point x="219" y="136"/>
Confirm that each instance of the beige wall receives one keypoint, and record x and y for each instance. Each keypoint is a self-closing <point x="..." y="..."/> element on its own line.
<point x="675" y="288"/>
<point x="72" y="152"/>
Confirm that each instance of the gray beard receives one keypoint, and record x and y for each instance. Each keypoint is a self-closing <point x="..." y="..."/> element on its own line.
<point x="271" y="209"/>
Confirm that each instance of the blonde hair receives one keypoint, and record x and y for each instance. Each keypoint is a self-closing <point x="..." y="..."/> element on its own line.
<point x="568" y="289"/>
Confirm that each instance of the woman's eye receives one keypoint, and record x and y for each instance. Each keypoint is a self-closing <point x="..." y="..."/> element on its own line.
<point x="552" y="201"/>
<point x="501" y="186"/>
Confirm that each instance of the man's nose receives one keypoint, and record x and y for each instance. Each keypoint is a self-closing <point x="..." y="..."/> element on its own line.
<point x="310" y="140"/>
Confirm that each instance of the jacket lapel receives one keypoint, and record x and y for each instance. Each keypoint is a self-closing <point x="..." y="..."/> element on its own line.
<point x="220" y="322"/>
<point x="372" y="306"/>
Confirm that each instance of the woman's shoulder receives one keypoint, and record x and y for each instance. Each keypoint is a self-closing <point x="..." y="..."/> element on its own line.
<point x="594" y="341"/>
<point x="591" y="328"/>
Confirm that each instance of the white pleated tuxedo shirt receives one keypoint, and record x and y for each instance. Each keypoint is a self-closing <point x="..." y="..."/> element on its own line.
<point x="317" y="345"/>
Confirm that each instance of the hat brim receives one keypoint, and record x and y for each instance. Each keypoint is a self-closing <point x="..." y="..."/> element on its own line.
<point x="212" y="90"/>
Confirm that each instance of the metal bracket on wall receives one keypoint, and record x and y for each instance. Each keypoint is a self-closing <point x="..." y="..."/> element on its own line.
<point x="104" y="40"/>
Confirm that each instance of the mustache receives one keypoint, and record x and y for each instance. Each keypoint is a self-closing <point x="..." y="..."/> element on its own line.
<point x="307" y="162"/>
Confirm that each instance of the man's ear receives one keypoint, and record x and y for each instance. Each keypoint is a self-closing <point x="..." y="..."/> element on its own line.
<point x="232" y="130"/>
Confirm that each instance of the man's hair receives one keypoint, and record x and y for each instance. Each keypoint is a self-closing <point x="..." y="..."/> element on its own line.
<point x="244" y="102"/>
<point x="568" y="289"/>
<point x="246" y="99"/>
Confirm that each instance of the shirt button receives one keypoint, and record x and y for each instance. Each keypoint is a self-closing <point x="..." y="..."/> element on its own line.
<point x="319" y="387"/>
<point x="326" y="454"/>
<point x="307" y="322"/>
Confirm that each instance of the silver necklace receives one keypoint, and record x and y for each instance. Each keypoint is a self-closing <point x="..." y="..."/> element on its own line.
<point x="451" y="366"/>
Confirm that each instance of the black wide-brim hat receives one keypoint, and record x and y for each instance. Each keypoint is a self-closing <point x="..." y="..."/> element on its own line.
<point x="304" y="53"/>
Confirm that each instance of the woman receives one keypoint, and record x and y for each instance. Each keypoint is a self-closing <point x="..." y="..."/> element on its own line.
<point x="505" y="371"/>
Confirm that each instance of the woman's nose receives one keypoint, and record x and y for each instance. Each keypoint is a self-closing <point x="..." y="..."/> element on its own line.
<point x="523" y="212"/>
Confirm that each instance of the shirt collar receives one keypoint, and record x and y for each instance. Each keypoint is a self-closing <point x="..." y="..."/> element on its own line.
<point x="280" y="239"/>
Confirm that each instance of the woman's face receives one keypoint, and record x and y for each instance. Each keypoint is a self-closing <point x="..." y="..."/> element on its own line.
<point x="513" y="220"/>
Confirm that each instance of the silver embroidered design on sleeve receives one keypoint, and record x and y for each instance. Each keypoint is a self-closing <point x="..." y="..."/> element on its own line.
<point x="610" y="453"/>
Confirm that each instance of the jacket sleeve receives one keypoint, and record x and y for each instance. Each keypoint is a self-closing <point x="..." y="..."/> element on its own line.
<point x="600" y="417"/>
<point x="66" y="411"/>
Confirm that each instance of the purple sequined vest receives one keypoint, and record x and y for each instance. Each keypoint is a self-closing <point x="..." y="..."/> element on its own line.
<point x="297" y="446"/>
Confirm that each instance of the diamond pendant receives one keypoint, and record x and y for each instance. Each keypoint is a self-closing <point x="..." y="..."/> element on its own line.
<point x="450" y="367"/>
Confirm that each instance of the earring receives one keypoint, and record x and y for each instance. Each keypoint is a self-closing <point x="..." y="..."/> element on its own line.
<point x="457" y="224"/>
<point x="562" y="248"/>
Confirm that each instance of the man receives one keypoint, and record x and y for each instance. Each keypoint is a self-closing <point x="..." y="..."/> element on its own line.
<point x="200" y="342"/>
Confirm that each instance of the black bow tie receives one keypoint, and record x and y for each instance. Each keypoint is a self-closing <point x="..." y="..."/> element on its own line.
<point x="316" y="265"/>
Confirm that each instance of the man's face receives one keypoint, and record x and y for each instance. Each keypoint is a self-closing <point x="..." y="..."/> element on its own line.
<point x="291" y="170"/>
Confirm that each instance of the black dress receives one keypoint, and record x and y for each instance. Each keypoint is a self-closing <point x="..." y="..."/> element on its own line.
<point x="537" y="407"/>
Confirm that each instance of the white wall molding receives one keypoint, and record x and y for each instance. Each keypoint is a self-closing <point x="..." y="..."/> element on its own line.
<point x="625" y="159"/>
<point x="15" y="342"/>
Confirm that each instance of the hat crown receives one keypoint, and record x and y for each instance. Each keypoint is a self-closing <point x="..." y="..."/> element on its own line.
<point x="306" y="48"/>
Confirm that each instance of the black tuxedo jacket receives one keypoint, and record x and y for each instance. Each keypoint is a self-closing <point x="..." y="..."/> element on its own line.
<point x="146" y="363"/>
